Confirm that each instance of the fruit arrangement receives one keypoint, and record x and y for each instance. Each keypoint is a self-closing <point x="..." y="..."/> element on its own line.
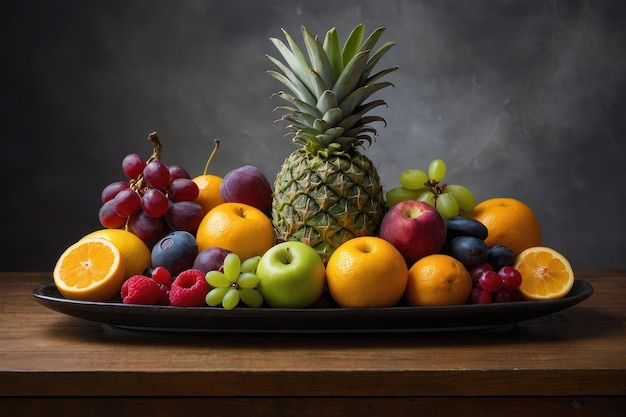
<point x="324" y="234"/>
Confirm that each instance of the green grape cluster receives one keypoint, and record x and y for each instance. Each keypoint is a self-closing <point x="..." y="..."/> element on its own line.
<point x="449" y="199"/>
<point x="237" y="283"/>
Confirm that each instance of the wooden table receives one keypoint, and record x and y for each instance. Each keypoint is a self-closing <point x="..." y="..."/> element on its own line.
<point x="569" y="363"/>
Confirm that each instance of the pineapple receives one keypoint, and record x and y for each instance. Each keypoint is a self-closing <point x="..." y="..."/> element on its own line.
<point x="327" y="191"/>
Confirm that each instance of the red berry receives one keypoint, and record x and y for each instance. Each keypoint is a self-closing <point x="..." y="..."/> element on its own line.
<point x="189" y="289"/>
<point x="161" y="275"/>
<point x="490" y="281"/>
<point x="511" y="277"/>
<point x="140" y="289"/>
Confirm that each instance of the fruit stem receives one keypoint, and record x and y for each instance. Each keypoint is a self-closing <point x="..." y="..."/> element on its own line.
<point x="208" y="162"/>
<point x="156" y="147"/>
<point x="139" y="184"/>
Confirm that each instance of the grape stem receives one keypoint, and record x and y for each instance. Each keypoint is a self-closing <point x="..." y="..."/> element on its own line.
<point x="153" y="137"/>
<point x="436" y="188"/>
<point x="208" y="162"/>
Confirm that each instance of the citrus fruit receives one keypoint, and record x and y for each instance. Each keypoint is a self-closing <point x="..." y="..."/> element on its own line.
<point x="438" y="280"/>
<point x="366" y="271"/>
<point x="134" y="251"/>
<point x="237" y="227"/>
<point x="546" y="274"/>
<point x="510" y="223"/>
<point x="91" y="269"/>
<point x="209" y="195"/>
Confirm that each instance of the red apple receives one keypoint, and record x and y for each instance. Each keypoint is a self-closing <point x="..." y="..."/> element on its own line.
<point x="415" y="228"/>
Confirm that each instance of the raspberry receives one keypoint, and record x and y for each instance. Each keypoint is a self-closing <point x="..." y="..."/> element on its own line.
<point x="189" y="289"/>
<point x="164" y="300"/>
<point x="140" y="289"/>
<point x="162" y="276"/>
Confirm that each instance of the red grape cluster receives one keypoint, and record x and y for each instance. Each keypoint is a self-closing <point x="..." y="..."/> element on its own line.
<point x="491" y="286"/>
<point x="156" y="200"/>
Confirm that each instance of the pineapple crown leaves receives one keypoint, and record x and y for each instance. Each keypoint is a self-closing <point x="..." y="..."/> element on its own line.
<point x="328" y="87"/>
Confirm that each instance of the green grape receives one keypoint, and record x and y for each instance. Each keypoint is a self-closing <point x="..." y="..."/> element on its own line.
<point x="248" y="280"/>
<point x="215" y="296"/>
<point x="398" y="194"/>
<point x="413" y="179"/>
<point x="427" y="197"/>
<point x="232" y="267"/>
<point x="251" y="297"/>
<point x="217" y="279"/>
<point x="463" y="197"/>
<point x="250" y="264"/>
<point x="437" y="170"/>
<point x="447" y="206"/>
<point x="231" y="298"/>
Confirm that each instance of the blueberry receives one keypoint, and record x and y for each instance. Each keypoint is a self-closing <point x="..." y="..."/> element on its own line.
<point x="175" y="252"/>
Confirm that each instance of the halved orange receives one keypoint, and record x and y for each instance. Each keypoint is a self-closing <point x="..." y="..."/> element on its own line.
<point x="91" y="269"/>
<point x="546" y="273"/>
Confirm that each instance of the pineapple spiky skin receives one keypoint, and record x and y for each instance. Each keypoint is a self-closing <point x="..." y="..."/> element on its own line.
<point x="325" y="202"/>
<point x="328" y="192"/>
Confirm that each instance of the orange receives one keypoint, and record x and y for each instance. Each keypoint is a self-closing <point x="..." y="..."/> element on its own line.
<point x="510" y="223"/>
<point x="134" y="251"/>
<point x="237" y="227"/>
<point x="366" y="271"/>
<point x="209" y="195"/>
<point x="91" y="269"/>
<point x="546" y="274"/>
<point x="438" y="280"/>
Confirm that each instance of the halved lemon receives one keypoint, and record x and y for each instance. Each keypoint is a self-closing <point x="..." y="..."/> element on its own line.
<point x="91" y="269"/>
<point x="546" y="273"/>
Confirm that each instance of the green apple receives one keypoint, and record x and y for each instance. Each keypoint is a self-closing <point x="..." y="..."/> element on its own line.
<point x="291" y="275"/>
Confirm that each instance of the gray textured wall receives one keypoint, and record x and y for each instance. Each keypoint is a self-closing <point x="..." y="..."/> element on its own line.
<point x="521" y="98"/>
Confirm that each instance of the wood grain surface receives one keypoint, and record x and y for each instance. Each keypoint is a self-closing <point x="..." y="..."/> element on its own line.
<point x="570" y="362"/>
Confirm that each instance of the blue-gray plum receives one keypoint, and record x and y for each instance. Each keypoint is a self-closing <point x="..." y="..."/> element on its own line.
<point x="175" y="252"/>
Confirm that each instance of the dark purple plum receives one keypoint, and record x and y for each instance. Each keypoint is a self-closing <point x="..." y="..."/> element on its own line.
<point x="210" y="259"/>
<point x="175" y="252"/>
<point x="247" y="185"/>
<point x="500" y="256"/>
<point x="469" y="250"/>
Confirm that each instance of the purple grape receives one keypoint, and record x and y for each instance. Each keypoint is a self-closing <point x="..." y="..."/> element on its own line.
<point x="157" y="175"/>
<point x="490" y="281"/>
<point x="147" y="228"/>
<point x="154" y="203"/>
<point x="127" y="202"/>
<point x="182" y="189"/>
<point x="110" y="191"/>
<point x="511" y="277"/>
<point x="133" y="165"/>
<point x="506" y="295"/>
<point x="109" y="218"/>
<point x="480" y="296"/>
<point x="176" y="171"/>
<point x="185" y="215"/>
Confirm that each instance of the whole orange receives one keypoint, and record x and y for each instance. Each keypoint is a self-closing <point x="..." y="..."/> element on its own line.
<point x="438" y="280"/>
<point x="366" y="271"/>
<point x="237" y="227"/>
<point x="209" y="195"/>
<point x="510" y="223"/>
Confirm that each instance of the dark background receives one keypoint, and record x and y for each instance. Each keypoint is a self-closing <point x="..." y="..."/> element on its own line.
<point x="522" y="99"/>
